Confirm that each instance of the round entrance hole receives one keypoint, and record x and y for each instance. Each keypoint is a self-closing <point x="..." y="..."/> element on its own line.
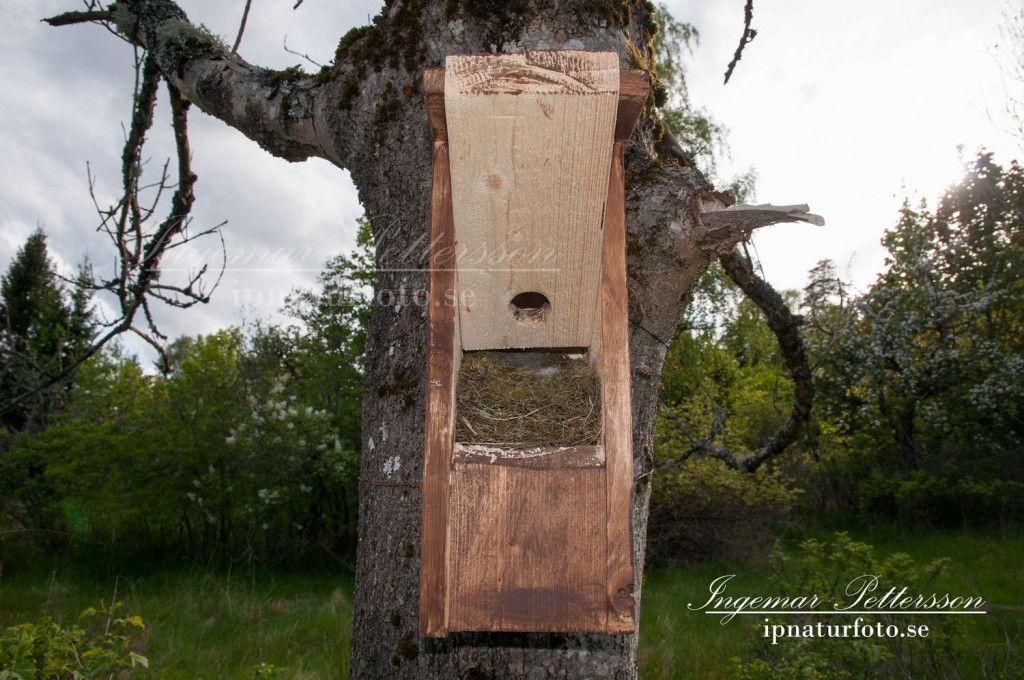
<point x="530" y="307"/>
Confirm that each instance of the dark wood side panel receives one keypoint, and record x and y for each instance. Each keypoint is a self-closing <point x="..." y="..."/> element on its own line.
<point x="528" y="549"/>
<point x="633" y="89"/>
<point x="615" y="371"/>
<point x="618" y="431"/>
<point x="440" y="403"/>
<point x="433" y="96"/>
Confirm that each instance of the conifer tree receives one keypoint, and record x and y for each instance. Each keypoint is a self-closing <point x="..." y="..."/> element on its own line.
<point x="43" y="327"/>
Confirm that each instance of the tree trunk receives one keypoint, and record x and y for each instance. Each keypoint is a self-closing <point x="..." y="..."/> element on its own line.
<point x="395" y="189"/>
<point x="365" y="113"/>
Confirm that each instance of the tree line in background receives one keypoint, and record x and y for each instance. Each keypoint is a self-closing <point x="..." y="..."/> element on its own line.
<point x="246" y="447"/>
<point x="919" y="386"/>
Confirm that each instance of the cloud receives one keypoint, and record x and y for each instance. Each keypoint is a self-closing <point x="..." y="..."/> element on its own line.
<point x="73" y="93"/>
<point x="846" y="109"/>
<point x="835" y="107"/>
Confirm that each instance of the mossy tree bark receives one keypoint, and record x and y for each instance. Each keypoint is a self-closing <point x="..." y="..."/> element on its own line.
<point x="365" y="113"/>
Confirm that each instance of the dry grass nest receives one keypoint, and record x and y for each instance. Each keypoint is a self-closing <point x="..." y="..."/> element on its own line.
<point x="526" y="399"/>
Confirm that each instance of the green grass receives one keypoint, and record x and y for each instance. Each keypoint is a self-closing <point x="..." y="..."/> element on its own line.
<point x="205" y="625"/>
<point x="220" y="625"/>
<point x="676" y="643"/>
<point x="988" y="563"/>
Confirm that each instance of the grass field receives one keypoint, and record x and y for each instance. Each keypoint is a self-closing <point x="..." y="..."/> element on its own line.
<point x="676" y="643"/>
<point x="205" y="625"/>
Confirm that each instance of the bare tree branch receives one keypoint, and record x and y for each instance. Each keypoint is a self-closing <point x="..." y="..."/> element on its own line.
<point x="786" y="327"/>
<point x="726" y="227"/>
<point x="301" y="54"/>
<point x="241" y="27"/>
<point x="136" y="276"/>
<point x="704" y="446"/>
<point x="80" y="17"/>
<point x="278" y="116"/>
<point x="748" y="35"/>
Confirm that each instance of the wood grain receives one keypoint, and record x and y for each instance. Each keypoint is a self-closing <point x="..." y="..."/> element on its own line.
<point x="442" y="359"/>
<point x="529" y="540"/>
<point x="531" y="138"/>
<point x="528" y="549"/>
<point x="613" y="349"/>
<point x="615" y="386"/>
<point x="433" y="96"/>
<point x="538" y="458"/>
<point x="633" y="89"/>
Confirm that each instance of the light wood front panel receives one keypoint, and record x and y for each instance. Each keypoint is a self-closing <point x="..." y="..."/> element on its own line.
<point x="531" y="140"/>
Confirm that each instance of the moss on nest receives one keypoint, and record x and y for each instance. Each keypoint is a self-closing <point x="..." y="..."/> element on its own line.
<point x="525" y="399"/>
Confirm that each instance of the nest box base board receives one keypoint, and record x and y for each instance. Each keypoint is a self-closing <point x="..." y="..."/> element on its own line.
<point x="514" y="538"/>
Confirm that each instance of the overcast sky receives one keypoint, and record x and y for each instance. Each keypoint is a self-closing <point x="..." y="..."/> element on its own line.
<point x="848" y="107"/>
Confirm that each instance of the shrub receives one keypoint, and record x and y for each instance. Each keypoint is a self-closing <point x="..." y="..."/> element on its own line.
<point x="825" y="569"/>
<point x="921" y="498"/>
<point x="703" y="510"/>
<point x="47" y="650"/>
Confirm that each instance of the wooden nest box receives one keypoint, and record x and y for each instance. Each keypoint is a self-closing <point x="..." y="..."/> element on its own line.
<point x="528" y="470"/>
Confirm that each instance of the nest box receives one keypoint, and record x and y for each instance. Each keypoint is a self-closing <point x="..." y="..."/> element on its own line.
<point x="527" y="500"/>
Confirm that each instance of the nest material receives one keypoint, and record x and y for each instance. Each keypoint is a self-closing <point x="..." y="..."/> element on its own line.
<point x="526" y="399"/>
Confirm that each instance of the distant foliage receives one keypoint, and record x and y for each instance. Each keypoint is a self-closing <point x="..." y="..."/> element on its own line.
<point x="723" y="378"/>
<point x="702" y="510"/>
<point x="723" y="384"/>
<point x="921" y="381"/>
<point x="246" y="448"/>
<point x="919" y="409"/>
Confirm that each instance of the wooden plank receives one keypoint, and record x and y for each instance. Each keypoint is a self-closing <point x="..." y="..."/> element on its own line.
<point x="531" y="138"/>
<point x="528" y="549"/>
<point x="440" y="403"/>
<point x="633" y="89"/>
<point x="433" y="96"/>
<point x="615" y="368"/>
<point x="538" y="458"/>
<point x="555" y="72"/>
<point x="615" y="387"/>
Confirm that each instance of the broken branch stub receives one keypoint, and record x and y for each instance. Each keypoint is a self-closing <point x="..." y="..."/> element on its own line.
<point x="723" y="226"/>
